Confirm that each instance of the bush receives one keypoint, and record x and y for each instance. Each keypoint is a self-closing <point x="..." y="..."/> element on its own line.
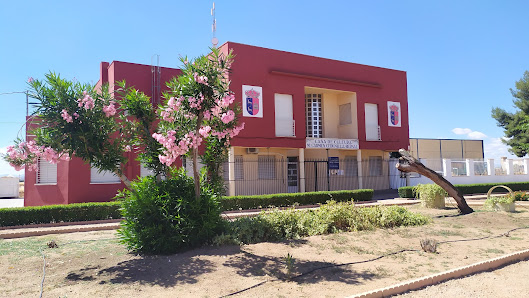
<point x="521" y="196"/>
<point x="329" y="218"/>
<point x="291" y="199"/>
<point x="164" y="217"/>
<point x="59" y="213"/>
<point x="407" y="191"/>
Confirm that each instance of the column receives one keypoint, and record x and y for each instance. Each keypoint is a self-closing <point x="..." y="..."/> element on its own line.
<point x="301" y="153"/>
<point x="360" y="171"/>
<point x="447" y="168"/>
<point x="231" y="171"/>
<point x="491" y="171"/>
<point x="526" y="166"/>
<point x="510" y="168"/>
<point x="470" y="167"/>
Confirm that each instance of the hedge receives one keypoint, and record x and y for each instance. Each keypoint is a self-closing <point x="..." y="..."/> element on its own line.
<point x="407" y="191"/>
<point x="109" y="210"/>
<point x="289" y="199"/>
<point x="59" y="213"/>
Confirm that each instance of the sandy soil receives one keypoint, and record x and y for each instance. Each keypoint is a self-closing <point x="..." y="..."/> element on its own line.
<point x="95" y="264"/>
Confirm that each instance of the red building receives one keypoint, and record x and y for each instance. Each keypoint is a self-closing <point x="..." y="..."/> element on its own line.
<point x="310" y="124"/>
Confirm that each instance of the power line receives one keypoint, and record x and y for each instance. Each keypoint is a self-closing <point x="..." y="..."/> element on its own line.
<point x="14" y="92"/>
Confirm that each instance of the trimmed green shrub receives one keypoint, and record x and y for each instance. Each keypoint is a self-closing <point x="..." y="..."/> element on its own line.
<point x="110" y="210"/>
<point x="407" y="191"/>
<point x="164" y="217"/>
<point x="59" y="213"/>
<point x="329" y="218"/>
<point x="291" y="199"/>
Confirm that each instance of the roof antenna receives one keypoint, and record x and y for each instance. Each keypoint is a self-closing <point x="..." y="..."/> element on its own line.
<point x="214" y="40"/>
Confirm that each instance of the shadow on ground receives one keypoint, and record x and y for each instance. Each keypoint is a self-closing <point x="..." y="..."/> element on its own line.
<point x="302" y="271"/>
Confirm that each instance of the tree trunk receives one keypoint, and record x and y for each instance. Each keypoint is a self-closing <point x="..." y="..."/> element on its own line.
<point x="196" y="174"/>
<point x="410" y="164"/>
<point x="123" y="179"/>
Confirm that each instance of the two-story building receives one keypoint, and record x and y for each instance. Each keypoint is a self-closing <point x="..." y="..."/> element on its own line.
<point x="310" y="124"/>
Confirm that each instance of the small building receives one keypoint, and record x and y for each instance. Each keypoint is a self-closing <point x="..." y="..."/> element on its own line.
<point x="310" y="124"/>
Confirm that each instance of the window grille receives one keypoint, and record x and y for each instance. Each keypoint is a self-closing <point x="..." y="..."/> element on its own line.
<point x="266" y="167"/>
<point x="375" y="165"/>
<point x="314" y="115"/>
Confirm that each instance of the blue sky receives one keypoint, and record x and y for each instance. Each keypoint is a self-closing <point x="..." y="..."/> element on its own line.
<point x="461" y="57"/>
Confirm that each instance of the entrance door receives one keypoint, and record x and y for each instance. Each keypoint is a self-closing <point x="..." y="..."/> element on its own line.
<point x="292" y="174"/>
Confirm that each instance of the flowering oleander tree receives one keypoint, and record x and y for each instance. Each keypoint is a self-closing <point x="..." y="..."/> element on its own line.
<point x="199" y="115"/>
<point x="73" y="119"/>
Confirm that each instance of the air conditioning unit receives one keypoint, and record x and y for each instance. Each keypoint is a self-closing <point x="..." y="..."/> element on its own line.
<point x="252" y="150"/>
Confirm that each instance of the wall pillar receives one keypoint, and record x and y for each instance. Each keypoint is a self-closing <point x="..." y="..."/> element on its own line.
<point x="231" y="171"/>
<point x="360" y="171"/>
<point x="509" y="167"/>
<point x="447" y="168"/>
<point x="301" y="153"/>
<point x="526" y="166"/>
<point x="470" y="167"/>
<point x="491" y="171"/>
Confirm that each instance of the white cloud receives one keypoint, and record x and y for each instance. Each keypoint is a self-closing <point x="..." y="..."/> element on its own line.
<point x="461" y="131"/>
<point x="471" y="134"/>
<point x="477" y="135"/>
<point x="494" y="148"/>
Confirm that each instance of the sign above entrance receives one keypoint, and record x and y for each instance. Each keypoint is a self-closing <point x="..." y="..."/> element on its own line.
<point x="252" y="101"/>
<point x="328" y="143"/>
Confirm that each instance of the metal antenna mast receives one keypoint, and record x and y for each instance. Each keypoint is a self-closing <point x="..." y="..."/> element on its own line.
<point x="214" y="40"/>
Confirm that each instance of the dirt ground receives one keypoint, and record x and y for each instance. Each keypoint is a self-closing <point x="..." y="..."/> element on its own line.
<point x="94" y="264"/>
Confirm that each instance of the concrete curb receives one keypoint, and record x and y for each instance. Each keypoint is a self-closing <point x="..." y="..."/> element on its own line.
<point x="422" y="282"/>
<point x="20" y="233"/>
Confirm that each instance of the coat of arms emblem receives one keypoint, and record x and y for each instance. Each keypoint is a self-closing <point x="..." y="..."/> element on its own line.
<point x="252" y="101"/>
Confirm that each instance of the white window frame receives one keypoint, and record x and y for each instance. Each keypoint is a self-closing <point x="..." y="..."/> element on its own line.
<point x="46" y="172"/>
<point x="103" y="177"/>
<point x="371" y="121"/>
<point x="284" y="115"/>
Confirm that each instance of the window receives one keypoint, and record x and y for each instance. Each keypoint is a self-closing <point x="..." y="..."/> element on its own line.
<point x="345" y="114"/>
<point x="239" y="169"/>
<point x="351" y="166"/>
<point x="372" y="128"/>
<point x="375" y="166"/>
<point x="284" y="115"/>
<point x="144" y="171"/>
<point x="97" y="176"/>
<point x="314" y="115"/>
<point x="47" y="172"/>
<point x="266" y="166"/>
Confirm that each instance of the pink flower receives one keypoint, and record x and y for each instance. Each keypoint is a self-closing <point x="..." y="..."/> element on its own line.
<point x="127" y="148"/>
<point x="87" y="101"/>
<point x="204" y="131"/>
<point x="200" y="79"/>
<point x="66" y="116"/>
<point x="30" y="79"/>
<point x="109" y="110"/>
<point x="228" y="116"/>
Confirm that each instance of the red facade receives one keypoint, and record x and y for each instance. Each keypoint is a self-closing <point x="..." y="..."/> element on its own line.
<point x="276" y="72"/>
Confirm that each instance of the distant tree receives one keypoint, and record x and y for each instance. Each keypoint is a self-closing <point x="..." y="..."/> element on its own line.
<point x="516" y="125"/>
